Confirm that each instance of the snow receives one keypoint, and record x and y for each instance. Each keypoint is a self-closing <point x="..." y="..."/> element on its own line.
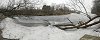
<point x="12" y="30"/>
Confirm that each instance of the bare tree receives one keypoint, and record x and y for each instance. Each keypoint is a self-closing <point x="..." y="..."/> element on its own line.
<point x="23" y="3"/>
<point x="80" y="5"/>
<point x="83" y="24"/>
<point x="11" y="4"/>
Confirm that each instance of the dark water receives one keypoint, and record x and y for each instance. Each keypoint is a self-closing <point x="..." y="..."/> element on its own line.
<point x="31" y="24"/>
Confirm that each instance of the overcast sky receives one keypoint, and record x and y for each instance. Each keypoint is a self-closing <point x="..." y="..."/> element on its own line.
<point x="88" y="3"/>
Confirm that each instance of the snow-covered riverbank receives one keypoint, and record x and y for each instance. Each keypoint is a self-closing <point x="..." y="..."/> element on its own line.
<point x="13" y="30"/>
<point x="16" y="31"/>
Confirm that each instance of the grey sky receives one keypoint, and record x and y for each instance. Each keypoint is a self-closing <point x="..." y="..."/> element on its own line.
<point x="88" y="3"/>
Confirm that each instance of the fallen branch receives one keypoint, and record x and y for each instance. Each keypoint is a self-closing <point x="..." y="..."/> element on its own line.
<point x="63" y="25"/>
<point x="81" y="25"/>
<point x="89" y="20"/>
<point x="91" y="24"/>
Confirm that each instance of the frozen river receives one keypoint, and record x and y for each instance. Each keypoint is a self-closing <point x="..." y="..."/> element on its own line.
<point x="45" y="20"/>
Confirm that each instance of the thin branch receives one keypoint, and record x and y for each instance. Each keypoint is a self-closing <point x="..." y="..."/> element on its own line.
<point x="70" y="21"/>
<point x="76" y="5"/>
<point x="84" y="9"/>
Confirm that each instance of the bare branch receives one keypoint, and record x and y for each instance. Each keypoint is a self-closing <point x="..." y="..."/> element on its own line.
<point x="70" y="21"/>
<point x="76" y="4"/>
<point x="84" y="9"/>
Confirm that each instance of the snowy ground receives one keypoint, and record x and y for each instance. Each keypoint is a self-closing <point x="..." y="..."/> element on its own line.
<point x="13" y="30"/>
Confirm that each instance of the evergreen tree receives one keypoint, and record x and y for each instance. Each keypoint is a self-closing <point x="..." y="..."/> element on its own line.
<point x="96" y="7"/>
